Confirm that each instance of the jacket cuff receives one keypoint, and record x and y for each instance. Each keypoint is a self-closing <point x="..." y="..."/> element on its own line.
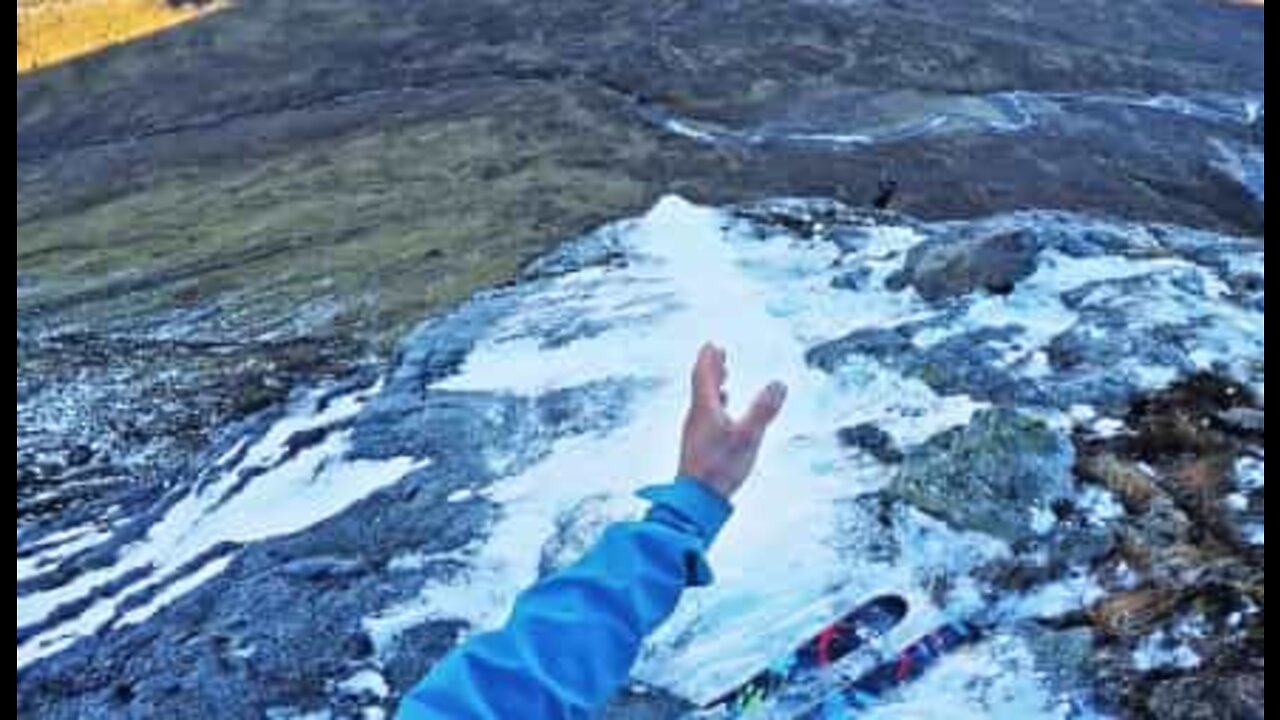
<point x="690" y="506"/>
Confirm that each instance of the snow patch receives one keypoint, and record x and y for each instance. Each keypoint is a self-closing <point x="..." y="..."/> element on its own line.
<point x="1251" y="474"/>
<point x="365" y="684"/>
<point x="1162" y="652"/>
<point x="284" y="495"/>
<point x="1078" y="592"/>
<point x="58" y="547"/>
<point x="175" y="591"/>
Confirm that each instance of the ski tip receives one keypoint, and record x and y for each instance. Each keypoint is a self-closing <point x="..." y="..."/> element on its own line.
<point x="892" y="609"/>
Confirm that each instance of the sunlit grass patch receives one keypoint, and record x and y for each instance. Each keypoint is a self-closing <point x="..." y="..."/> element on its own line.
<point x="54" y="32"/>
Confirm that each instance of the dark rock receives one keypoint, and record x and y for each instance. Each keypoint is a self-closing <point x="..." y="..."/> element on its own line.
<point x="639" y="703"/>
<point x="1066" y="658"/>
<point x="305" y="440"/>
<point x="79" y="456"/>
<point x="1164" y="525"/>
<point x="124" y="694"/>
<point x="853" y="280"/>
<point x="990" y="475"/>
<point x="1108" y="339"/>
<point x="878" y="343"/>
<point x="359" y="646"/>
<point x="1081" y="545"/>
<point x="49" y="470"/>
<point x="872" y="440"/>
<point x="972" y="364"/>
<point x="590" y="408"/>
<point x="804" y="218"/>
<point x="945" y="269"/>
<point x="419" y="649"/>
<point x="451" y="428"/>
<point x="1022" y="573"/>
<point x="1090" y="243"/>
<point x="850" y="241"/>
<point x="324" y="570"/>
<point x="898" y="281"/>
<point x="1207" y="697"/>
<point x="884" y="198"/>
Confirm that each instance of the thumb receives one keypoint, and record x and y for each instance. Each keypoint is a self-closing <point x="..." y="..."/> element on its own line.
<point x="765" y="410"/>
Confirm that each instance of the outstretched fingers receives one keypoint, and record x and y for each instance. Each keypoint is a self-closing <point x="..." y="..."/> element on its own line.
<point x="709" y="377"/>
<point x="764" y="411"/>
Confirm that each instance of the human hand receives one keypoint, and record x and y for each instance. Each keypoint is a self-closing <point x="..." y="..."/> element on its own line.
<point x="717" y="450"/>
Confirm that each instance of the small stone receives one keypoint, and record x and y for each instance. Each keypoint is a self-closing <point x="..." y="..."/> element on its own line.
<point x="874" y="441"/>
<point x="79" y="456"/>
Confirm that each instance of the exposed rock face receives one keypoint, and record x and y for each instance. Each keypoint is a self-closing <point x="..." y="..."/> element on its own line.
<point x="948" y="268"/>
<point x="874" y="441"/>
<point x="992" y="476"/>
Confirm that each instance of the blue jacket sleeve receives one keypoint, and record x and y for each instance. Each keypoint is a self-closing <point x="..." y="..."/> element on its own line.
<point x="573" y="639"/>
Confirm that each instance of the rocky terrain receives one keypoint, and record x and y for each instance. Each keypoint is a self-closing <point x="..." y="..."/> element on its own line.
<point x="247" y="487"/>
<point x="1048" y="421"/>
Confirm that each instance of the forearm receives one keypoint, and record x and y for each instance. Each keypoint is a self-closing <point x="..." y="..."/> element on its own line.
<point x="573" y="640"/>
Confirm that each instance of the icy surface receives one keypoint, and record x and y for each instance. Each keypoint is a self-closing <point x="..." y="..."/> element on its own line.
<point x="288" y="491"/>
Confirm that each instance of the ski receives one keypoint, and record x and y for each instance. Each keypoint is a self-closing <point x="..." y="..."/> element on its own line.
<point x="870" y="690"/>
<point x="869" y="622"/>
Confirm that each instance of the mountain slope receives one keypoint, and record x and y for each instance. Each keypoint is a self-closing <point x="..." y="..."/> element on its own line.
<point x="512" y="430"/>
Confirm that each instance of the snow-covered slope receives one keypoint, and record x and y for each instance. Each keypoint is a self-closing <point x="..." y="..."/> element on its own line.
<point x="1041" y="325"/>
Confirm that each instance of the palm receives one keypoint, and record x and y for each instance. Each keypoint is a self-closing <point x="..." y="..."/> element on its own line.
<point x="717" y="449"/>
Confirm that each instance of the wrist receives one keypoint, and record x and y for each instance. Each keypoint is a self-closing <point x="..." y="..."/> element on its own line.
<point x="693" y="504"/>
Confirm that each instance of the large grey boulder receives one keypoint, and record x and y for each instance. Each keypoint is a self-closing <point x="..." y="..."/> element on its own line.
<point x="949" y="268"/>
<point x="993" y="476"/>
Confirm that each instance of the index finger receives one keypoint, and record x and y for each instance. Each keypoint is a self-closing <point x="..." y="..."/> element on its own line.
<point x="708" y="378"/>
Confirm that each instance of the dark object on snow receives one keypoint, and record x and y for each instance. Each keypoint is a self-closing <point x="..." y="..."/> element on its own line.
<point x="888" y="191"/>
<point x="949" y="268"/>
<point x="874" y="441"/>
